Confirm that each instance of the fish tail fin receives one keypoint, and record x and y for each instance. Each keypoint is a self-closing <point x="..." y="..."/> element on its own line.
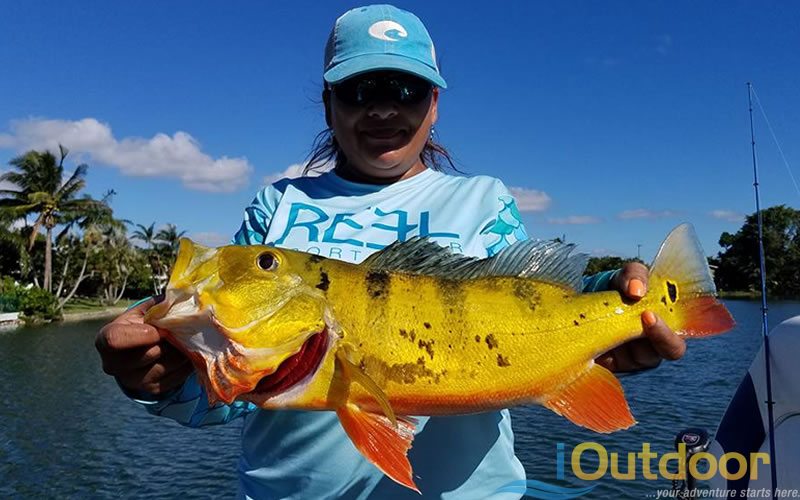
<point x="680" y="275"/>
<point x="593" y="400"/>
<point x="381" y="441"/>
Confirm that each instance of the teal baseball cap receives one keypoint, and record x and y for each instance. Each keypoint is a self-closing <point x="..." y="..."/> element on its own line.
<point x="380" y="37"/>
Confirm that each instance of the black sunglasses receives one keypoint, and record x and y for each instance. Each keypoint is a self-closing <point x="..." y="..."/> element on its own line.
<point x="399" y="87"/>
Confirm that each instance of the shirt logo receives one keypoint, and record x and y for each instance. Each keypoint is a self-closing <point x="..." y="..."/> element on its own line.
<point x="381" y="29"/>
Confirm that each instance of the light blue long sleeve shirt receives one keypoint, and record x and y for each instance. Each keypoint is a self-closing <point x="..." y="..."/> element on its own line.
<point x="298" y="454"/>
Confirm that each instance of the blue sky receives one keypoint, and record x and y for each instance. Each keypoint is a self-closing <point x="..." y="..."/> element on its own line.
<point x="616" y="120"/>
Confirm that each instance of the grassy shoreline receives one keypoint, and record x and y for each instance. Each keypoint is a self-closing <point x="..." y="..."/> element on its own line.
<point x="85" y="308"/>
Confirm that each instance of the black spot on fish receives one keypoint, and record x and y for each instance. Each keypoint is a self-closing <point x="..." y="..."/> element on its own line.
<point x="378" y="284"/>
<point x="502" y="361"/>
<point x="428" y="346"/>
<point x="605" y="303"/>
<point x="672" y="290"/>
<point x="410" y="335"/>
<point x="575" y="322"/>
<point x="491" y="341"/>
<point x="478" y="339"/>
<point x="315" y="258"/>
<point x="664" y="299"/>
<point x="582" y="316"/>
<point x="525" y="290"/>
<point x="324" y="282"/>
<point x="427" y="325"/>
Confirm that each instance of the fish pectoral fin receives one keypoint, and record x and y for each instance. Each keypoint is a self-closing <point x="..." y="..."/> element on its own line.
<point x="381" y="441"/>
<point x="355" y="374"/>
<point x="594" y="400"/>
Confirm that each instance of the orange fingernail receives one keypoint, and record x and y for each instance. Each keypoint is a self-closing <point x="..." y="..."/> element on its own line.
<point x="649" y="318"/>
<point x="636" y="288"/>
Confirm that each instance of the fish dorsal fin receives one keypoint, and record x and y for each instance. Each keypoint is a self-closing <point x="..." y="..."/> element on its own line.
<point x="543" y="260"/>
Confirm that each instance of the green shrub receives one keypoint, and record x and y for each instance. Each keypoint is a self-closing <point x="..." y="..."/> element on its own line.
<point x="10" y="295"/>
<point x="39" y="304"/>
<point x="33" y="303"/>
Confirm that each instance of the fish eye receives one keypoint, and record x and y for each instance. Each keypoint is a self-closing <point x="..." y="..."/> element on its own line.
<point x="267" y="261"/>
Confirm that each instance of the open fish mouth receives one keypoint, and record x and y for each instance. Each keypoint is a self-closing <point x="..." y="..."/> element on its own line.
<point x="293" y="369"/>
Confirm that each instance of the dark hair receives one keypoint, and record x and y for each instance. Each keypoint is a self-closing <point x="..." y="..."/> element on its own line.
<point x="326" y="150"/>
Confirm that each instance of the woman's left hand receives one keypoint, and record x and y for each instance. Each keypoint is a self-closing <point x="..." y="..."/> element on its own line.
<point x="659" y="341"/>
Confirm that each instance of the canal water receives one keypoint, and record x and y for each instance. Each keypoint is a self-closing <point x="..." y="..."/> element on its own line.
<point x="66" y="431"/>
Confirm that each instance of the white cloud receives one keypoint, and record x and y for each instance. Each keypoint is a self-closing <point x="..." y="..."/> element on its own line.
<point x="643" y="213"/>
<point x="211" y="239"/>
<point x="295" y="170"/>
<point x="727" y="215"/>
<point x="530" y="200"/>
<point x="7" y="185"/>
<point x="178" y="156"/>
<point x="575" y="219"/>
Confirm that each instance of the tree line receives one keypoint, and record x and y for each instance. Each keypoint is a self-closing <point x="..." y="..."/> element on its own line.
<point x="58" y="243"/>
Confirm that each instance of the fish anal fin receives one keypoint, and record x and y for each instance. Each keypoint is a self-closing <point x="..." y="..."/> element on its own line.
<point x="383" y="443"/>
<point x="705" y="316"/>
<point x="355" y="374"/>
<point x="594" y="400"/>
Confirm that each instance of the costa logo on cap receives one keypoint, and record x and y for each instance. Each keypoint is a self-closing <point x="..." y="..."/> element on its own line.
<point x="384" y="30"/>
<point x="378" y="38"/>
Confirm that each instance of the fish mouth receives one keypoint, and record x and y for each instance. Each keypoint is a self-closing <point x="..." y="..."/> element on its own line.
<point x="293" y="369"/>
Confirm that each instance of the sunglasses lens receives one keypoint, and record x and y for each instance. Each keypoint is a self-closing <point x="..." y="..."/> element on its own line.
<point x="409" y="90"/>
<point x="403" y="89"/>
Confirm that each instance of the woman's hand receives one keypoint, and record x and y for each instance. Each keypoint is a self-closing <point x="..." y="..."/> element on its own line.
<point x="659" y="341"/>
<point x="138" y="356"/>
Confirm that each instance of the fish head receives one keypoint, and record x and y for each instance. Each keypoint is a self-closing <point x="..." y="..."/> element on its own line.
<point x="247" y="317"/>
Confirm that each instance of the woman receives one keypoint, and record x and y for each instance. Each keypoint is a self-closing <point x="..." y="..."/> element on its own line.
<point x="382" y="89"/>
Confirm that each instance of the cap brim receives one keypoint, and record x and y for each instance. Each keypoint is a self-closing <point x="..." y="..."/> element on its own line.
<point x="376" y="62"/>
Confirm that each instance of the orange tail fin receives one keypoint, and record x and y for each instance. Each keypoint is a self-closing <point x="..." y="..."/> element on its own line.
<point x="383" y="443"/>
<point x="705" y="316"/>
<point x="594" y="400"/>
<point x="680" y="272"/>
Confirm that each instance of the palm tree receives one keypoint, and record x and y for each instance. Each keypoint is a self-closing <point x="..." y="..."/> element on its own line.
<point x="114" y="259"/>
<point x="43" y="191"/>
<point x="170" y="239"/>
<point x="96" y="222"/>
<point x="147" y="235"/>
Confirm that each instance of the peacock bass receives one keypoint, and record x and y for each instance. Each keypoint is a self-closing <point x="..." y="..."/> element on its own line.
<point x="418" y="330"/>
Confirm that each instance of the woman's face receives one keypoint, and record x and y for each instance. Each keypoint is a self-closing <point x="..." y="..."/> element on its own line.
<point x="382" y="136"/>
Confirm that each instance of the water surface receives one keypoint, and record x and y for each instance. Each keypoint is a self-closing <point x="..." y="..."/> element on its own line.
<point x="67" y="431"/>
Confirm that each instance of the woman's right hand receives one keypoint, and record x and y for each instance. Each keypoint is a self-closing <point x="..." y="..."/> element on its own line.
<point x="138" y="355"/>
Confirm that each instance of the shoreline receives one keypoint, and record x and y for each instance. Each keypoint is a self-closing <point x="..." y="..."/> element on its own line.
<point x="72" y="317"/>
<point x="102" y="313"/>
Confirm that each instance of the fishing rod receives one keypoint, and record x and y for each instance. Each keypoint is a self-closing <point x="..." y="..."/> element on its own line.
<point x="764" y="326"/>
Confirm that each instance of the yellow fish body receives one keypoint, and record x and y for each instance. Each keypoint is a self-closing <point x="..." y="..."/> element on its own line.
<point x="418" y="330"/>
